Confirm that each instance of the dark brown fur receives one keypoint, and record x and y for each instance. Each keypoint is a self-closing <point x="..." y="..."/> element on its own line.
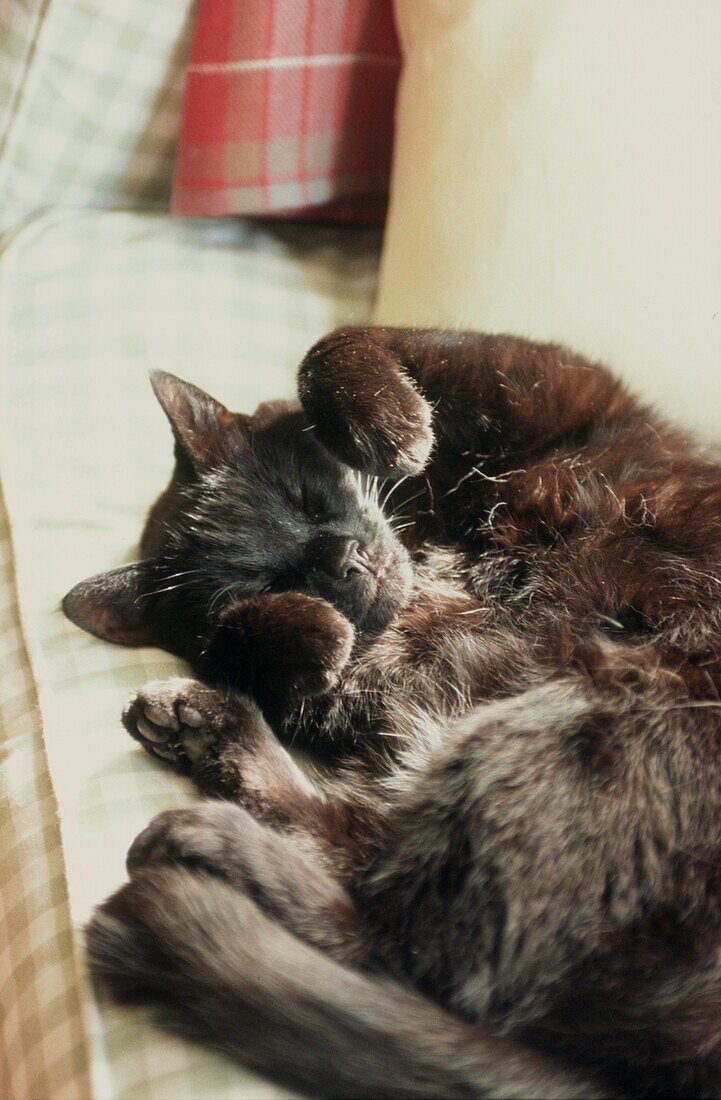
<point x="525" y="823"/>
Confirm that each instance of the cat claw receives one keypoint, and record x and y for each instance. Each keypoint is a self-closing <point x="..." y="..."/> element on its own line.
<point x="166" y="719"/>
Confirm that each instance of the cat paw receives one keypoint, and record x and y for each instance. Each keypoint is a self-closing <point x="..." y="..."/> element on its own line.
<point x="163" y="938"/>
<point x="180" y="720"/>
<point x="363" y="407"/>
<point x="282" y="645"/>
<point x="205" y="837"/>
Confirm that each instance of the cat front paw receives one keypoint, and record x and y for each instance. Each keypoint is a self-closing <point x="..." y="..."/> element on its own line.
<point x="282" y="646"/>
<point x="363" y="407"/>
<point x="181" y="720"/>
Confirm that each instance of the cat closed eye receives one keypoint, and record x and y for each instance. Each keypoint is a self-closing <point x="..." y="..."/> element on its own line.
<point x="315" y="508"/>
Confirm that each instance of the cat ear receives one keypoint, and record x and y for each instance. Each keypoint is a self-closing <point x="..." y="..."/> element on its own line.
<point x="111" y="605"/>
<point x="268" y="411"/>
<point x="206" y="433"/>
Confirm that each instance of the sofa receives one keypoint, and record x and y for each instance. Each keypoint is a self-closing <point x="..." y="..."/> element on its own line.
<point x="99" y="285"/>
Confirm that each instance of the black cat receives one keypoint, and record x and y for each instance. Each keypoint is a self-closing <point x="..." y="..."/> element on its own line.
<point x="511" y="648"/>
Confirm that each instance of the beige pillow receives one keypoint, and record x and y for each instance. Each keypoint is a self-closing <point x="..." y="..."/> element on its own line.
<point x="557" y="174"/>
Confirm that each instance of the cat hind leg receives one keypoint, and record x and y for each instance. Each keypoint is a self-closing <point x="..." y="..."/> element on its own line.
<point x="284" y="873"/>
<point x="217" y="969"/>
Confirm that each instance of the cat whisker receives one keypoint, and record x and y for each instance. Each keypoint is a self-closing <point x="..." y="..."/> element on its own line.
<point x="393" y="489"/>
<point x="167" y="588"/>
<point x="182" y="573"/>
<point x="370" y="488"/>
<point x="367" y="486"/>
<point x="219" y="595"/>
<point x="410" y="500"/>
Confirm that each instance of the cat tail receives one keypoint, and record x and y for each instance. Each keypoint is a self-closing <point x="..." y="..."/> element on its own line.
<point x="218" y="970"/>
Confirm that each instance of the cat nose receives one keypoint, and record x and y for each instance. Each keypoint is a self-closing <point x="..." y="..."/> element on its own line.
<point x="339" y="556"/>
<point x="355" y="561"/>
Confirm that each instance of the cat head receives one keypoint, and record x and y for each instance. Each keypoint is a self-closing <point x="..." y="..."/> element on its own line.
<point x="255" y="505"/>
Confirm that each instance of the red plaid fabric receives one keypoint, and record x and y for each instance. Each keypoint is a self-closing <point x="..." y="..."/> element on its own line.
<point x="288" y="108"/>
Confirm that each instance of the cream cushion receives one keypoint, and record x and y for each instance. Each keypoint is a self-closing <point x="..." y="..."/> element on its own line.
<point x="557" y="174"/>
<point x="89" y="303"/>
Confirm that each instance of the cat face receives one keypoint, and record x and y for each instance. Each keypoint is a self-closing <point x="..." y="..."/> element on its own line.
<point x="255" y="505"/>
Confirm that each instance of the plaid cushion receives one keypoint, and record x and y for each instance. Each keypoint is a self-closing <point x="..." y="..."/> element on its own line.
<point x="288" y="106"/>
<point x="90" y="97"/>
<point x="18" y="27"/>
<point x="43" y="1047"/>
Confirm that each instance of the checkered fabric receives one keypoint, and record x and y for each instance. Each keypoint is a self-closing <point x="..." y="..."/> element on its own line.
<point x="288" y="107"/>
<point x="18" y="29"/>
<point x="89" y="303"/>
<point x="43" y="1048"/>
<point x="90" y="98"/>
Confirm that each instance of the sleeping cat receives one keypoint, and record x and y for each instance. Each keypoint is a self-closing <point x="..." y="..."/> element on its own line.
<point x="484" y="582"/>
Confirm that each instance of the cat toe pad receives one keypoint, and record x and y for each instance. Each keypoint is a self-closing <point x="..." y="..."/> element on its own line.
<point x="172" y="719"/>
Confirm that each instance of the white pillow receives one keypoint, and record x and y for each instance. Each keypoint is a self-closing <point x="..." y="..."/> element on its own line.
<point x="557" y="174"/>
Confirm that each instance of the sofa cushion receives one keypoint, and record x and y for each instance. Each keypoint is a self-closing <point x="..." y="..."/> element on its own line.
<point x="557" y="173"/>
<point x="89" y="303"/>
<point x="92" y="95"/>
